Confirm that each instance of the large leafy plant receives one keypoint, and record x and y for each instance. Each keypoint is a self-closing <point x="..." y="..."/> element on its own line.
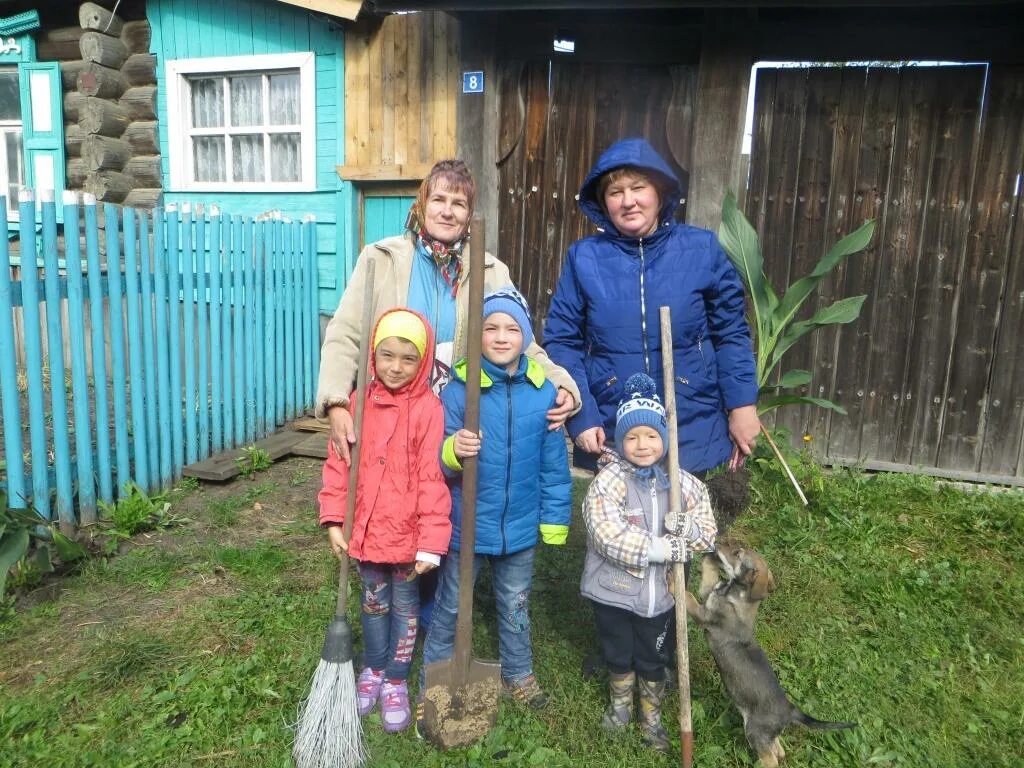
<point x="773" y="319"/>
<point x="18" y="529"/>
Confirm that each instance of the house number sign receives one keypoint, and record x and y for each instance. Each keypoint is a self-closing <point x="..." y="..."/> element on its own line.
<point x="472" y="82"/>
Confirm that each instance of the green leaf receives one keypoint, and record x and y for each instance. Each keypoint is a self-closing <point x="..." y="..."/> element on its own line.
<point x="13" y="547"/>
<point x="798" y="292"/>
<point x="843" y="311"/>
<point x="794" y="378"/>
<point x="68" y="549"/>
<point x="771" y="403"/>
<point x="42" y="558"/>
<point x="739" y="240"/>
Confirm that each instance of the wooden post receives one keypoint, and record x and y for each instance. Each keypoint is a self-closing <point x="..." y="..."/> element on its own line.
<point x="93" y="16"/>
<point x="477" y="119"/>
<point x="100" y="116"/>
<point x="96" y="80"/>
<point x="102" y="153"/>
<point x="723" y="77"/>
<point x="103" y="49"/>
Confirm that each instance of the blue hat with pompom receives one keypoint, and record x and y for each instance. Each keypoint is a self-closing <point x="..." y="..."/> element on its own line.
<point x="640" y="406"/>
<point x="511" y="302"/>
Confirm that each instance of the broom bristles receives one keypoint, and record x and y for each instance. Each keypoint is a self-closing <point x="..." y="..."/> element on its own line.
<point x="329" y="733"/>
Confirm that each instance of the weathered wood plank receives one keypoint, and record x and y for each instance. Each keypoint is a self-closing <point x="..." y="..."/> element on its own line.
<point x="864" y="135"/>
<point x="1003" y="442"/>
<point x="411" y="116"/>
<point x="946" y="209"/>
<point x="224" y="466"/>
<point x="892" y="324"/>
<point x="374" y="139"/>
<point x="985" y="273"/>
<point x="400" y="88"/>
<point x="387" y="86"/>
<point x="357" y="105"/>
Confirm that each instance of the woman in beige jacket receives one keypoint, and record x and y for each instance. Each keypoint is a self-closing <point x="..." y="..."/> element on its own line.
<point x="424" y="269"/>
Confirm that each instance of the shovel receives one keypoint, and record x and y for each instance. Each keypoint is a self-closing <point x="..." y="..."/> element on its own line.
<point x="678" y="572"/>
<point x="461" y="695"/>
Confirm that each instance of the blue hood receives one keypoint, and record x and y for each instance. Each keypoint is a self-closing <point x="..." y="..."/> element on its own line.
<point x="636" y="153"/>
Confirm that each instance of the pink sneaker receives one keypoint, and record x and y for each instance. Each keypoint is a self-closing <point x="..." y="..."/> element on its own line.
<point x="394" y="707"/>
<point x="368" y="690"/>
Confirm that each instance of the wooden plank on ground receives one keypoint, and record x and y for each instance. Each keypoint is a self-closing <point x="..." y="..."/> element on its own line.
<point x="224" y="465"/>
<point x="312" y="445"/>
<point x="311" y="425"/>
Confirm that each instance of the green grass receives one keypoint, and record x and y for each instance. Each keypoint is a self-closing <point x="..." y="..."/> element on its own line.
<point x="898" y="606"/>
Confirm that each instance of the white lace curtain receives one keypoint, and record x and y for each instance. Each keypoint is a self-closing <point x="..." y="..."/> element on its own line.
<point x="259" y="127"/>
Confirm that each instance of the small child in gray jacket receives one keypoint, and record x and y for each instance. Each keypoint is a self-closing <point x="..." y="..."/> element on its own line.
<point x="632" y="538"/>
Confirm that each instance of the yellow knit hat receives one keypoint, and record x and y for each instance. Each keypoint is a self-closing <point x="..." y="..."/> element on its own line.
<point x="405" y="325"/>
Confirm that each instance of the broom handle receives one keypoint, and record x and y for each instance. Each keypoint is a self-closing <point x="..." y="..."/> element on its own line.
<point x="357" y="427"/>
<point x="678" y="572"/>
<point x="467" y="546"/>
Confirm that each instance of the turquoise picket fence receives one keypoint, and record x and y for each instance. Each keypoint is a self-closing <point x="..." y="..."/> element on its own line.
<point x="135" y="343"/>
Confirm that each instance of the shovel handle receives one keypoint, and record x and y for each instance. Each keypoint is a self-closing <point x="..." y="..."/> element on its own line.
<point x="357" y="427"/>
<point x="678" y="571"/>
<point x="470" y="465"/>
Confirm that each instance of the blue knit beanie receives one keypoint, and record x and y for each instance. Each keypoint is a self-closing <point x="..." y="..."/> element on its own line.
<point x="640" y="406"/>
<point x="511" y="302"/>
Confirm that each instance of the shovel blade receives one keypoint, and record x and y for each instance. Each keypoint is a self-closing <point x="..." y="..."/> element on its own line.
<point x="456" y="712"/>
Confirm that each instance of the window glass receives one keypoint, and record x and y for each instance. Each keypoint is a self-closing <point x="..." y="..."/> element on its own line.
<point x="285" y="163"/>
<point x="10" y="99"/>
<point x="284" y="99"/>
<point x="247" y="100"/>
<point x="207" y="102"/>
<point x="209" y="158"/>
<point x="247" y="158"/>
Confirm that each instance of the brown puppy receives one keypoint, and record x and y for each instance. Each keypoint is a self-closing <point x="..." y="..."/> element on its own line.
<point x="728" y="616"/>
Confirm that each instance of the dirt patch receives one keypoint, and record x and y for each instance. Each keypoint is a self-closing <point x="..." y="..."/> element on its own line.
<point x="730" y="496"/>
<point x="463" y="717"/>
<point x="277" y="505"/>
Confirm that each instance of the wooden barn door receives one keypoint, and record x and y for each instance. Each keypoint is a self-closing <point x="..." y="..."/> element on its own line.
<point x="930" y="374"/>
<point x="555" y="119"/>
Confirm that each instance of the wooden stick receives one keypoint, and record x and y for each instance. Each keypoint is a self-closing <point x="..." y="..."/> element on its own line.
<point x="678" y="571"/>
<point x="785" y="465"/>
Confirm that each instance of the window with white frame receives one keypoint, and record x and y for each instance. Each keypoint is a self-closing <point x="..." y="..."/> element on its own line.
<point x="244" y="123"/>
<point x="12" y="170"/>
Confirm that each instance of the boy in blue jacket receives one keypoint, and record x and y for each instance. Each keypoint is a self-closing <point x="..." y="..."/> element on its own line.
<point x="523" y="489"/>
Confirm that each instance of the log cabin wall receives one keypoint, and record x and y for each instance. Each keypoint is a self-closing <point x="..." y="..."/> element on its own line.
<point x="401" y="78"/>
<point x="110" y="129"/>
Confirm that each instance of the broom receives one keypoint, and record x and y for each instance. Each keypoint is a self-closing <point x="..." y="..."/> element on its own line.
<point x="329" y="733"/>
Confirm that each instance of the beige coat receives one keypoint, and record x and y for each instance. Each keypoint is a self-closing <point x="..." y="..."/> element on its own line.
<point x="393" y="258"/>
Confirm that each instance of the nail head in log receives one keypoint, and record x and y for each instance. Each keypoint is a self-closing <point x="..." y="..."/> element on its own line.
<point x="136" y="36"/>
<point x="102" y="117"/>
<point x="140" y="69"/>
<point x="73" y="136"/>
<point x="108" y="186"/>
<point x="141" y="135"/>
<point x="92" y="16"/>
<point x="144" y="170"/>
<point x="103" y="49"/>
<point x="97" y="80"/>
<point x="140" y="102"/>
<point x="102" y="153"/>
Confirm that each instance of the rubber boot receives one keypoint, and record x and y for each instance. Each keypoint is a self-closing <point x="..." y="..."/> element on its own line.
<point x="620" y="707"/>
<point x="651" y="695"/>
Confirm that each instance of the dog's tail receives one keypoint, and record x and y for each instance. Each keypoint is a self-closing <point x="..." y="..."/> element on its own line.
<point x="820" y="725"/>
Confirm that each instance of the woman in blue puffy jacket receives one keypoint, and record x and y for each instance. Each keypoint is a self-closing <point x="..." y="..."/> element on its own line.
<point x="604" y="321"/>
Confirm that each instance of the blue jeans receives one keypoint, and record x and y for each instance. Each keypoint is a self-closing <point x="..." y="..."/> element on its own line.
<point x="512" y="576"/>
<point x="390" y="610"/>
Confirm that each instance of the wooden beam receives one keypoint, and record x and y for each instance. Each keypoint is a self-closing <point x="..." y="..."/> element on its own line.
<point x="723" y="79"/>
<point x="345" y="9"/>
<point x="403" y="172"/>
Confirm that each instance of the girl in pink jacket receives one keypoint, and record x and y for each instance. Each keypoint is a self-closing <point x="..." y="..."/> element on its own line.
<point x="402" y="520"/>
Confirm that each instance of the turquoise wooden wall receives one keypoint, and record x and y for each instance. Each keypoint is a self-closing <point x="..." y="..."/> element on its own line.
<point x="384" y="216"/>
<point x="185" y="29"/>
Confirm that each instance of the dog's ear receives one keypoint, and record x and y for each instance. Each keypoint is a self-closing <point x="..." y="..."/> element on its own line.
<point x="762" y="581"/>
